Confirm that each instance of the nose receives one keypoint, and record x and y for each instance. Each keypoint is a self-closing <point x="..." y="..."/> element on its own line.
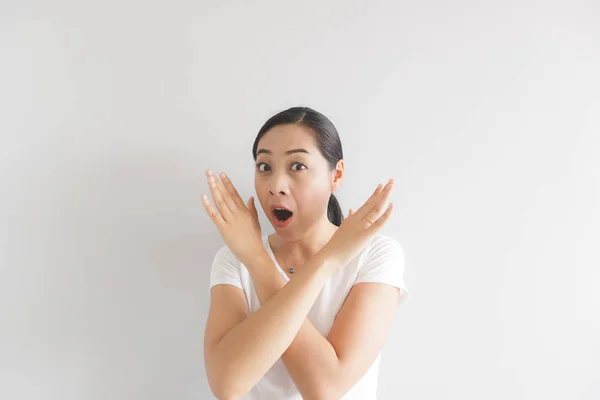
<point x="280" y="192"/>
<point x="278" y="185"/>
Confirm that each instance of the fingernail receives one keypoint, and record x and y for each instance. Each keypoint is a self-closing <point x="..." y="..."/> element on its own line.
<point x="223" y="175"/>
<point x="208" y="172"/>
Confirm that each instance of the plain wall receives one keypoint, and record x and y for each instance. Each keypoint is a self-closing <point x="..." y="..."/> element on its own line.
<point x="485" y="113"/>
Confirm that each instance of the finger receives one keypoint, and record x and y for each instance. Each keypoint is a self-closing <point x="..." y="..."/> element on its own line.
<point x="235" y="196"/>
<point x="214" y="215"/>
<point x="217" y="196"/>
<point x="379" y="206"/>
<point x="350" y="212"/>
<point x="377" y="189"/>
<point x="227" y="197"/>
<point x="377" y="225"/>
<point x="368" y="205"/>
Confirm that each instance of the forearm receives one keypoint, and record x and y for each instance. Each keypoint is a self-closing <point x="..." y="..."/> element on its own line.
<point x="248" y="350"/>
<point x="311" y="360"/>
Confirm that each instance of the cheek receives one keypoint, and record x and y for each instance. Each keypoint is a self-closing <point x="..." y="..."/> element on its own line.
<point x="312" y="199"/>
<point x="256" y="184"/>
<point x="261" y="194"/>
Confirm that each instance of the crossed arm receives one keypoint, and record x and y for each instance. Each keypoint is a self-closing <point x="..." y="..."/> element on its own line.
<point x="240" y="348"/>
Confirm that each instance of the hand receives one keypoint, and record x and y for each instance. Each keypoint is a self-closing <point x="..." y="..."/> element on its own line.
<point x="355" y="231"/>
<point x="236" y="221"/>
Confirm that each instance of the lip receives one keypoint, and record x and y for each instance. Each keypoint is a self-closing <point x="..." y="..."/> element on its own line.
<point x="274" y="206"/>
<point x="277" y="223"/>
<point x="281" y="224"/>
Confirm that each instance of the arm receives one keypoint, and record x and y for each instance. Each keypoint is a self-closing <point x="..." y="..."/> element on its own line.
<point x="238" y="355"/>
<point x="311" y="360"/>
<point x="326" y="368"/>
<point x="237" y="358"/>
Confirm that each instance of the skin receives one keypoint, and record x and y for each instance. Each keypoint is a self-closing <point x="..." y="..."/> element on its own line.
<point x="303" y="182"/>
<point x="239" y="346"/>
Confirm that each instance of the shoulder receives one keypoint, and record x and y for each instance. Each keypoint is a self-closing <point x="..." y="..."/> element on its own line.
<point x="225" y="268"/>
<point x="381" y="246"/>
<point x="224" y="254"/>
<point x="382" y="261"/>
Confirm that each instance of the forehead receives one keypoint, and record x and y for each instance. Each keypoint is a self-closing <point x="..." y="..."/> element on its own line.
<point x="289" y="136"/>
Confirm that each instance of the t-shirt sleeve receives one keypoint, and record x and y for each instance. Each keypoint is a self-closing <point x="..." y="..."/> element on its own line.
<point x="225" y="269"/>
<point x="384" y="263"/>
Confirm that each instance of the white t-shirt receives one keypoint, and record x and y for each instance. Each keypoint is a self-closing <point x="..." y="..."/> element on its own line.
<point x="382" y="260"/>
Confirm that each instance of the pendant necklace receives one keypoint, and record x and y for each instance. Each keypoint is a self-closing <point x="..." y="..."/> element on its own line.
<point x="292" y="269"/>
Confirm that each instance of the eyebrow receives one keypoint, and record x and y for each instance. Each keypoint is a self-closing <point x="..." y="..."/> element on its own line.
<point x="287" y="152"/>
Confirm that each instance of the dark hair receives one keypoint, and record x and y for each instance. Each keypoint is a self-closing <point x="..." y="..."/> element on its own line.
<point x="327" y="139"/>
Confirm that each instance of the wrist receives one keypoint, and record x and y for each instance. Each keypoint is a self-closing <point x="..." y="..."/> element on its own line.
<point x="261" y="268"/>
<point x="257" y="259"/>
<point x="329" y="259"/>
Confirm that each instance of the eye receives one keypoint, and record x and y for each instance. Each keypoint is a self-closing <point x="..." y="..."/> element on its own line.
<point x="260" y="164"/>
<point x="267" y="168"/>
<point x="298" y="163"/>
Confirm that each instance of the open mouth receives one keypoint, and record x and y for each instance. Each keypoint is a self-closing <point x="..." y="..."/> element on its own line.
<point x="282" y="214"/>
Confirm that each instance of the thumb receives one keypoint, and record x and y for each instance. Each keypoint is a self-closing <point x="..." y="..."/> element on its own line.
<point x="252" y="207"/>
<point x="350" y="212"/>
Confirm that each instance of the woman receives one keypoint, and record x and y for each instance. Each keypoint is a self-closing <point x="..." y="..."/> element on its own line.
<point x="304" y="312"/>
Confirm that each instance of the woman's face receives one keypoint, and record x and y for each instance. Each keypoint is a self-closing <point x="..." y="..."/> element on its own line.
<point x="292" y="173"/>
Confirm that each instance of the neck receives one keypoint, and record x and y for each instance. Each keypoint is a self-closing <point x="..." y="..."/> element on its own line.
<point x="299" y="249"/>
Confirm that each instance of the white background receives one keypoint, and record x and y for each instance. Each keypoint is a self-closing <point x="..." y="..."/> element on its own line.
<point x="487" y="114"/>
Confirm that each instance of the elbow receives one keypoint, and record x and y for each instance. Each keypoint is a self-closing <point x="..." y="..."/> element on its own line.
<point x="330" y="390"/>
<point x="322" y="391"/>
<point x="222" y="383"/>
<point x="328" y="394"/>
<point x="223" y="396"/>
<point x="228" y="397"/>
<point x="224" y="393"/>
<point x="225" y="389"/>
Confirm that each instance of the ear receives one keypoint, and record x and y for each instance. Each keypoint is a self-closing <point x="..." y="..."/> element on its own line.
<point x="338" y="175"/>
